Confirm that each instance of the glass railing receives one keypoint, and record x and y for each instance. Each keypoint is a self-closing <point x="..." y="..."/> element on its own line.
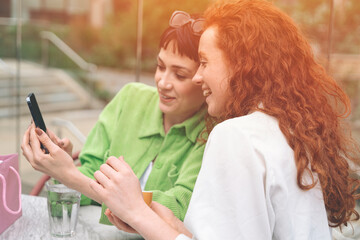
<point x="10" y="30"/>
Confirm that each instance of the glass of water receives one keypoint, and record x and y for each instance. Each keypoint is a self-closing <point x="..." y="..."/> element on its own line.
<point x="63" y="208"/>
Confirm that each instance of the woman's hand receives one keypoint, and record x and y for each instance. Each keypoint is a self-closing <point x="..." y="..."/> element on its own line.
<point x="117" y="222"/>
<point x="64" y="143"/>
<point x="168" y="216"/>
<point x="163" y="212"/>
<point x="57" y="164"/>
<point x="119" y="189"/>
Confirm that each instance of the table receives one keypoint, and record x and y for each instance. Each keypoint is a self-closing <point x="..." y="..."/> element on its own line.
<point x="34" y="223"/>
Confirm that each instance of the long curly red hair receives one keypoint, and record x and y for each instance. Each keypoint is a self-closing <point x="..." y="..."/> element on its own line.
<point x="273" y="64"/>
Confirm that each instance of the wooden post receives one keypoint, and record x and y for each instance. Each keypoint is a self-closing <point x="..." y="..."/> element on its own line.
<point x="331" y="25"/>
<point x="139" y="40"/>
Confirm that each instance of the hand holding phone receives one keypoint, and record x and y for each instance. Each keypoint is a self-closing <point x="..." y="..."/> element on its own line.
<point x="36" y="114"/>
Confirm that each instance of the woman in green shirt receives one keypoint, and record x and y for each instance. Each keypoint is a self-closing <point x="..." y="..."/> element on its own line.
<point x="156" y="130"/>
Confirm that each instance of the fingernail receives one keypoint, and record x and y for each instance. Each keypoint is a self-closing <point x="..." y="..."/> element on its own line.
<point x="107" y="211"/>
<point x="38" y="131"/>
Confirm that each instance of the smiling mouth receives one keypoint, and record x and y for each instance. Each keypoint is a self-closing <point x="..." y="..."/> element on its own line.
<point x="165" y="97"/>
<point x="207" y="92"/>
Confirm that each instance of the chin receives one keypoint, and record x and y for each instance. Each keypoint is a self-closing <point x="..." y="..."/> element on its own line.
<point x="213" y="112"/>
<point x="165" y="109"/>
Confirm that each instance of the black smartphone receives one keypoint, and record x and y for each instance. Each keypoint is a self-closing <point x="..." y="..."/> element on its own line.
<point x="36" y="114"/>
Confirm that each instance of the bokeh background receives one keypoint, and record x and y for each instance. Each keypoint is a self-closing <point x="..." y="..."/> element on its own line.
<point x="104" y="32"/>
<point x="77" y="54"/>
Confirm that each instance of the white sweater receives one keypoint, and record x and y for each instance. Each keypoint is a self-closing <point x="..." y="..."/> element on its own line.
<point x="247" y="188"/>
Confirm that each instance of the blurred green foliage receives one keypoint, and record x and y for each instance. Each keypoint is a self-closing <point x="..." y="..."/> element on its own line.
<point x="313" y="17"/>
<point x="114" y="45"/>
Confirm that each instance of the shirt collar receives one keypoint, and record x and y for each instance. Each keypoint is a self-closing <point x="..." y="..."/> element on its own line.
<point x="154" y="123"/>
<point x="194" y="125"/>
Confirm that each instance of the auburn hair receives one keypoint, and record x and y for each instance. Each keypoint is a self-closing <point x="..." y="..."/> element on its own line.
<point x="186" y="42"/>
<point x="274" y="71"/>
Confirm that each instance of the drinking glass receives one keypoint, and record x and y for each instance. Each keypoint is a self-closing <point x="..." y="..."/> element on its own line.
<point x="63" y="208"/>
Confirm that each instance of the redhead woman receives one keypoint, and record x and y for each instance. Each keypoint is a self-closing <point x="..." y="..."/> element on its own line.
<point x="277" y="164"/>
<point x="157" y="130"/>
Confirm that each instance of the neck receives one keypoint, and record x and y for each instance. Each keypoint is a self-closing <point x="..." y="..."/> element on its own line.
<point x="170" y="121"/>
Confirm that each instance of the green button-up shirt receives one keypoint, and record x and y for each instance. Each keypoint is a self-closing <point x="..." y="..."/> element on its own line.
<point x="131" y="125"/>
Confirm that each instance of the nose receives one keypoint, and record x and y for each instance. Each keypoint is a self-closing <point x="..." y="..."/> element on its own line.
<point x="197" y="79"/>
<point x="164" y="82"/>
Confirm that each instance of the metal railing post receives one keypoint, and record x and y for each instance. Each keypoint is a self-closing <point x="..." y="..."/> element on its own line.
<point x="330" y="40"/>
<point x="45" y="52"/>
<point x="139" y="40"/>
<point x="62" y="123"/>
<point x="18" y="73"/>
<point x="64" y="48"/>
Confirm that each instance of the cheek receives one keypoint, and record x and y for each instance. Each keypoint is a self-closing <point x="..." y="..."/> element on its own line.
<point x="222" y="98"/>
<point x="190" y="92"/>
<point x="195" y="95"/>
<point x="157" y="76"/>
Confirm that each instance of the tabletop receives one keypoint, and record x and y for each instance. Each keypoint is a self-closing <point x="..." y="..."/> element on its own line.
<point x="34" y="223"/>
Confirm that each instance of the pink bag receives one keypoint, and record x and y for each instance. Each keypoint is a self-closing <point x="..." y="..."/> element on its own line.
<point x="10" y="191"/>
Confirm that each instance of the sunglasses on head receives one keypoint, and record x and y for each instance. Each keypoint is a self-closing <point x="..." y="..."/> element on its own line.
<point x="180" y="18"/>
